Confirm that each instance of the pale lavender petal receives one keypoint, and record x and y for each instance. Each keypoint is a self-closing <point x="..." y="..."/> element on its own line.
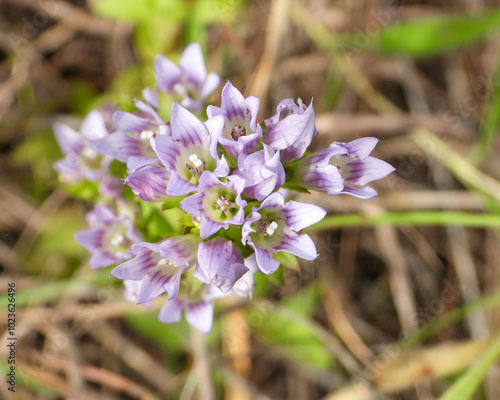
<point x="208" y="227"/>
<point x="299" y="245"/>
<point x="121" y="146"/>
<point x="209" y="179"/>
<point x="186" y="127"/>
<point x="274" y="200"/>
<point x="178" y="186"/>
<point x="151" y="96"/>
<point x="167" y="151"/>
<point x="233" y="102"/>
<point x="302" y="215"/>
<point x="101" y="259"/>
<point x="193" y="65"/>
<point x="360" y="147"/>
<point x="210" y="84"/>
<point x="134" y="163"/>
<point x="214" y="126"/>
<point x="365" y="192"/>
<point x="200" y="316"/>
<point x="152" y="286"/>
<point x="93" y="126"/>
<point x="91" y="239"/>
<point x="167" y="74"/>
<point x="222" y="168"/>
<point x="124" y="121"/>
<point x="367" y="170"/>
<point x="252" y="103"/>
<point x="193" y="204"/>
<point x="146" y="108"/>
<point x="173" y="284"/>
<point x="265" y="260"/>
<point x="171" y="311"/>
<point x="69" y="140"/>
<point x="136" y="268"/>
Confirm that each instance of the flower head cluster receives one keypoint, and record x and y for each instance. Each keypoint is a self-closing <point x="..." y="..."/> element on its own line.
<point x="225" y="173"/>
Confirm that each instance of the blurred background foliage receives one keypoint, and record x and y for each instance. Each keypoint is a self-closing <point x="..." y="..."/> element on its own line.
<point x="403" y="301"/>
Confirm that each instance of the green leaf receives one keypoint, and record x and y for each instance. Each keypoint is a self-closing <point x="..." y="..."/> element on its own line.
<point x="287" y="260"/>
<point x="465" y="387"/>
<point x="139" y="10"/>
<point x="172" y="202"/>
<point x="435" y="35"/>
<point x="290" y="334"/>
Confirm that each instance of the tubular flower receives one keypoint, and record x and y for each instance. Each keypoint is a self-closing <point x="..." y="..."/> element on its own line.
<point x="342" y="168"/>
<point x="262" y="171"/>
<point x="220" y="263"/>
<point x="82" y="160"/>
<point x="189" y="80"/>
<point x="190" y="151"/>
<point x="273" y="227"/>
<point x="158" y="265"/>
<point x="291" y="129"/>
<point x="241" y="131"/>
<point x="110" y="237"/>
<point x="217" y="203"/>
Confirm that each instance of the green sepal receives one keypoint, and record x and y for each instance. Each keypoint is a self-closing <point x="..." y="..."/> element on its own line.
<point x="172" y="202"/>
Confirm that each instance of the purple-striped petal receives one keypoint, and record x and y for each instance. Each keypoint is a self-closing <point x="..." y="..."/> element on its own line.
<point x="167" y="74"/>
<point x="302" y="215"/>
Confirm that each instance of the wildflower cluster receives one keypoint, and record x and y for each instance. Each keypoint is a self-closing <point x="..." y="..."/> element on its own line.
<point x="225" y="172"/>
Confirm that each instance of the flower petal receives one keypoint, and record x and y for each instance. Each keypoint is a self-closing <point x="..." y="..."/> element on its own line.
<point x="171" y="311"/>
<point x="302" y="215"/>
<point x="200" y="316"/>
<point x="299" y="245"/>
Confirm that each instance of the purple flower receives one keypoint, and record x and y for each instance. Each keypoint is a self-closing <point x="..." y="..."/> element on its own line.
<point x="220" y="263"/>
<point x="217" y="203"/>
<point x="109" y="238"/>
<point x="81" y="160"/>
<point x="158" y="265"/>
<point x="189" y="80"/>
<point x="262" y="171"/>
<point x="291" y="129"/>
<point x="131" y="143"/>
<point x="241" y="131"/>
<point x="191" y="150"/>
<point x="149" y="183"/>
<point x="197" y="305"/>
<point x="342" y="168"/>
<point x="273" y="227"/>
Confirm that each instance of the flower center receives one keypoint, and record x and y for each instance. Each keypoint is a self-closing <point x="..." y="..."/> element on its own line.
<point x="198" y="166"/>
<point x="89" y="153"/>
<point x="120" y="243"/>
<point x="222" y="203"/>
<point x="267" y="227"/>
<point x="147" y="135"/>
<point x="238" y="131"/>
<point x="164" y="262"/>
<point x="219" y="203"/>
